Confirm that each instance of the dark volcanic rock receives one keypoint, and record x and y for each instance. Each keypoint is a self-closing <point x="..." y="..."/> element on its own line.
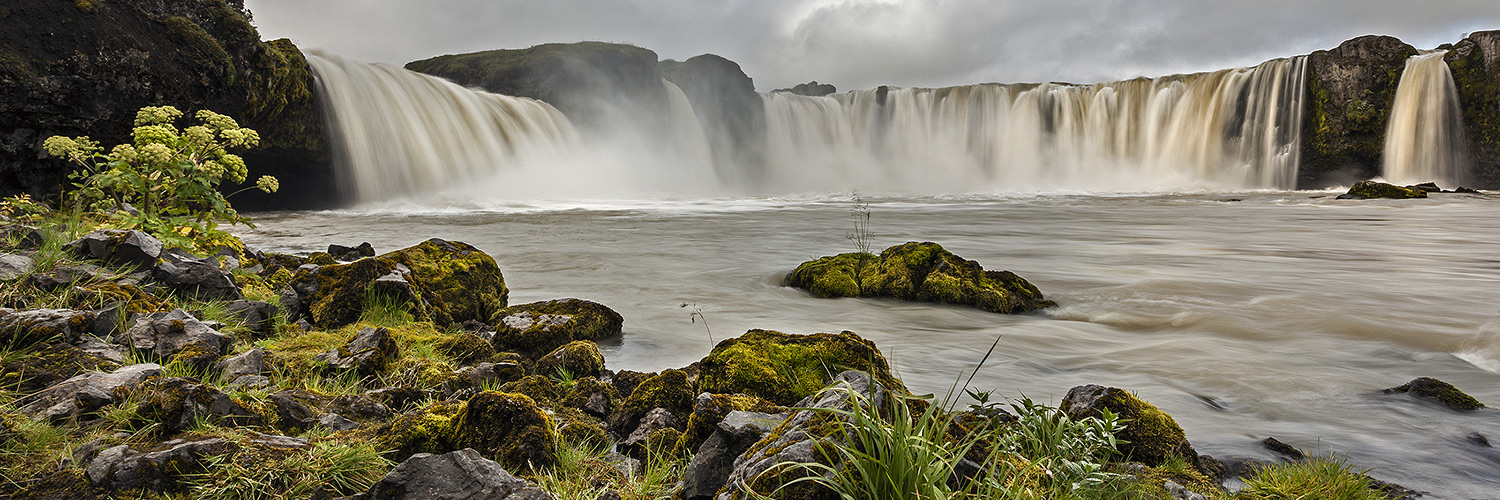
<point x="85" y="68"/>
<point x="445" y="282"/>
<point x="177" y="335"/>
<point x="458" y="475"/>
<point x="258" y="316"/>
<point x="1151" y="436"/>
<point x="810" y="89"/>
<point x="178" y="403"/>
<point x="732" y="113"/>
<point x="714" y="459"/>
<point x="196" y="279"/>
<point x="1438" y="391"/>
<point x="123" y="467"/>
<point x="23" y="327"/>
<point x="1351" y="89"/>
<point x="368" y="354"/>
<point x="115" y="246"/>
<point x="541" y="327"/>
<point x="1364" y="190"/>
<point x="924" y="272"/>
<point x="1475" y="65"/>
<point x="81" y="394"/>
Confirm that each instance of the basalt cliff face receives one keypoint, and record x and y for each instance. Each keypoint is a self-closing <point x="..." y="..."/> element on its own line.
<point x="84" y="67"/>
<point x="1350" y="90"/>
<point x="1475" y="62"/>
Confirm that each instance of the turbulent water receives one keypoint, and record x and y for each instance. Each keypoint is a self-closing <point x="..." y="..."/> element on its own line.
<point x="1244" y="315"/>
<point x="1425" y="134"/>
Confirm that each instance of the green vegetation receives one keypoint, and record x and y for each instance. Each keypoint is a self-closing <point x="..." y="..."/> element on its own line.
<point x="1316" y="478"/>
<point x="924" y="272"/>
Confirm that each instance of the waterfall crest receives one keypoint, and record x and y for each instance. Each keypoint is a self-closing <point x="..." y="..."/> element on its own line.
<point x="396" y="132"/>
<point x="1237" y="128"/>
<point x="1424" y="139"/>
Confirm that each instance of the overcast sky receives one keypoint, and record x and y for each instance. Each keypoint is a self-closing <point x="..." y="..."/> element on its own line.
<point x="857" y="44"/>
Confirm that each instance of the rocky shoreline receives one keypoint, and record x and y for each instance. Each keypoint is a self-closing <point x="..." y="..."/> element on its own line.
<point x="163" y="368"/>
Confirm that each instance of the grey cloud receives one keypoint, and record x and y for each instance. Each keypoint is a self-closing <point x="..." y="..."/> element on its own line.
<point x="864" y="43"/>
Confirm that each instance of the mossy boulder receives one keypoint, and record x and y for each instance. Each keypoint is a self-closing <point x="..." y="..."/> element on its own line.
<point x="592" y="396"/>
<point x="543" y="390"/>
<point x="784" y="368"/>
<point x="370" y="353"/>
<point x="507" y="428"/>
<point x="465" y="283"/>
<point x="445" y="282"/>
<point x="580" y="358"/>
<point x="1151" y="436"/>
<point x="670" y="390"/>
<point x="541" y="327"/>
<point x="577" y="427"/>
<point x="1438" y="391"/>
<point x="923" y="272"/>
<point x="466" y="348"/>
<point x="423" y="430"/>
<point x="710" y="409"/>
<point x="330" y="296"/>
<point x="25" y="327"/>
<point x="47" y="364"/>
<point x="1364" y="190"/>
<point x="177" y="404"/>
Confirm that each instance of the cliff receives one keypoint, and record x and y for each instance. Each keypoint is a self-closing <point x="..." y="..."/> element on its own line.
<point x="727" y="105"/>
<point x="1350" y="91"/>
<point x="1475" y="62"/>
<point x="84" y="67"/>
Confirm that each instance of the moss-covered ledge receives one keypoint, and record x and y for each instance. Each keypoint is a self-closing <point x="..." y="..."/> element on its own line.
<point x="922" y="272"/>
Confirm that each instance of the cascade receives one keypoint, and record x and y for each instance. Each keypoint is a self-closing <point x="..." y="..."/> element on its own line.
<point x="1424" y="139"/>
<point x="396" y="132"/>
<point x="1236" y="128"/>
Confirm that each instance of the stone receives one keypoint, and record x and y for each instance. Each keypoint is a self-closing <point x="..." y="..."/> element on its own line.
<point x="278" y="441"/>
<point x="669" y="390"/>
<point x="25" y="237"/>
<point x="1151" y="436"/>
<point x="116" y="246"/>
<point x="466" y="348"/>
<point x="541" y="327"/>
<point x="507" y="427"/>
<point x="178" y="403"/>
<point x="1438" y="391"/>
<point x="922" y="272"/>
<point x="580" y="358"/>
<point x="296" y="409"/>
<point x="369" y="353"/>
<point x="122" y="467"/>
<point x="251" y="362"/>
<point x="1277" y="446"/>
<point x="459" y="282"/>
<point x="196" y="279"/>
<point x="343" y="253"/>
<point x="711" y="464"/>
<point x="1350" y="91"/>
<point x="178" y="336"/>
<point x="259" y="317"/>
<point x="39" y="366"/>
<point x="65" y="276"/>
<point x="62" y="401"/>
<point x="655" y="420"/>
<point x="359" y="407"/>
<point x="249" y="382"/>
<point x="796" y="438"/>
<point x="14" y="266"/>
<point x="710" y="410"/>
<point x="1364" y="190"/>
<point x="336" y="422"/>
<point x="784" y="368"/>
<point x="1179" y="492"/>
<point x="457" y="475"/>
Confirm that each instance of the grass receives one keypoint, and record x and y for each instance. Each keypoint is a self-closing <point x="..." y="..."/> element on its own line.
<point x="583" y="473"/>
<point x="1317" y="478"/>
<point x="258" y="474"/>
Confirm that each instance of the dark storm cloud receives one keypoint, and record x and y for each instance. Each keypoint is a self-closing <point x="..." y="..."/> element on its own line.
<point x="864" y="43"/>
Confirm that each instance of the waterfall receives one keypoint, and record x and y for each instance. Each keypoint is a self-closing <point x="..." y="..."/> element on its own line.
<point x="395" y="132"/>
<point x="1424" y="139"/>
<point x="1236" y="128"/>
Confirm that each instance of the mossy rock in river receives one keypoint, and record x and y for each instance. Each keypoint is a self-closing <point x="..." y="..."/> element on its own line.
<point x="1151" y="436"/>
<point x="466" y="282"/>
<point x="923" y="272"/>
<point x="1436" y="390"/>
<point x="541" y="327"/>
<point x="1364" y="190"/>
<point x="784" y="368"/>
<point x="445" y="282"/>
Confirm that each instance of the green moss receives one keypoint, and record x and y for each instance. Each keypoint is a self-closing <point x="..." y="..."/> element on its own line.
<point x="918" y="272"/>
<point x="580" y="358"/>
<point x="339" y="290"/>
<point x="669" y="389"/>
<point x="539" y="388"/>
<point x="86" y="6"/>
<point x="1372" y="189"/>
<point x="208" y="50"/>
<point x="585" y="389"/>
<point x="541" y="327"/>
<point x="466" y="348"/>
<point x="577" y="428"/>
<point x="38" y="367"/>
<point x="426" y="430"/>
<point x="198" y="355"/>
<point x="321" y="258"/>
<point x="1439" y="391"/>
<point x="507" y="428"/>
<point x="784" y="368"/>
<point x="708" y="412"/>
<point x="466" y="282"/>
<point x="1151" y="436"/>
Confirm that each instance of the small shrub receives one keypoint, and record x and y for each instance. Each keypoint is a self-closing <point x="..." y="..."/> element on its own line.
<point x="1317" y="478"/>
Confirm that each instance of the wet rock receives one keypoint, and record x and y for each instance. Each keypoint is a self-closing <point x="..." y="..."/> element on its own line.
<point x="14" y="266"/>
<point x="120" y="247"/>
<point x="509" y="427"/>
<point x="259" y="317"/>
<point x="458" y="475"/>
<point x="714" y="459"/>
<point x="297" y="410"/>
<point x="796" y="439"/>
<point x="783" y="368"/>
<point x="1465" y="190"/>
<point x="1277" y="446"/>
<point x="368" y="354"/>
<point x="1350" y="91"/>
<point x="124" y="467"/>
<point x="251" y="362"/>
<point x="25" y="237"/>
<point x="177" y="336"/>
<point x="196" y="279"/>
<point x="178" y="403"/>
<point x="922" y="272"/>
<point x="810" y="89"/>
<point x="1430" y="187"/>
<point x="1364" y="190"/>
<point x="1477" y="439"/>
<point x="542" y="327"/>
<point x="80" y="395"/>
<point x="347" y="254"/>
<point x="1438" y="391"/>
<point x="1151" y="436"/>
<point x="578" y="358"/>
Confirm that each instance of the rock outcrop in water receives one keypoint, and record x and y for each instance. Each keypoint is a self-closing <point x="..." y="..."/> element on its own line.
<point x="922" y="272"/>
<point x="85" y="67"/>
<point x="1364" y="190"/>
<point x="1475" y="63"/>
<point x="1350" y="90"/>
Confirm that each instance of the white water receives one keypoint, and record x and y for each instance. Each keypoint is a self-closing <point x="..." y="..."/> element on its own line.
<point x="1424" y="139"/>
<point x="1237" y="128"/>
<point x="396" y="132"/>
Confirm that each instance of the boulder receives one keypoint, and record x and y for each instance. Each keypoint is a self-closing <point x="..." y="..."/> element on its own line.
<point x="798" y="438"/>
<point x="541" y="327"/>
<point x="64" y="276"/>
<point x="125" y="467"/>
<point x="359" y="407"/>
<point x="1364" y="190"/>
<point x="369" y="353"/>
<point x="196" y="279"/>
<point x="923" y="272"/>
<point x="465" y="283"/>
<point x="23" y="327"/>
<point x="251" y="362"/>
<point x="543" y="390"/>
<point x="457" y="475"/>
<point x="14" y="266"/>
<point x="466" y="348"/>
<point x="40" y="366"/>
<point x="119" y="247"/>
<point x="711" y="409"/>
<point x="349" y="254"/>
<point x="442" y="281"/>
<point x="179" y="403"/>
<point x="259" y="317"/>
<point x="24" y="237"/>
<point x="1150" y="436"/>
<point x="580" y="358"/>
<point x="592" y="396"/>
<point x="656" y="420"/>
<point x="507" y="427"/>
<point x="177" y="336"/>
<point x="784" y="368"/>
<point x="81" y="394"/>
<point x="714" y="460"/>
<point x="669" y="390"/>
<point x="578" y="428"/>
<point x="297" y="409"/>
<point x="1438" y="391"/>
<point x="331" y="296"/>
